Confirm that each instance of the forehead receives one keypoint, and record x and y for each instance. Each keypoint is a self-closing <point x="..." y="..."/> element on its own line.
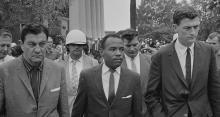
<point x="35" y="37"/>
<point x="190" y="22"/>
<point x="5" y="39"/>
<point x="133" y="41"/>
<point x="113" y="42"/>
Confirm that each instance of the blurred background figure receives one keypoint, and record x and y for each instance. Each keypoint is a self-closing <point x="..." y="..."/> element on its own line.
<point x="53" y="51"/>
<point x="214" y="40"/>
<point x="5" y="44"/>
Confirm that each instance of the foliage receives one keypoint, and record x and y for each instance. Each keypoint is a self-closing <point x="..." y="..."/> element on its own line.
<point x="16" y="12"/>
<point x="154" y="17"/>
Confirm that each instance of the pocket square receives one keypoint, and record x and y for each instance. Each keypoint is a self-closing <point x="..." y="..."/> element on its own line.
<point x="55" y="89"/>
<point x="129" y="96"/>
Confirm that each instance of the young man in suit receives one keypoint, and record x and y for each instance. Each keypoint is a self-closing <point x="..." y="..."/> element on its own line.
<point x="31" y="85"/>
<point x="75" y="62"/>
<point x="136" y="61"/>
<point x="109" y="90"/>
<point x="183" y="75"/>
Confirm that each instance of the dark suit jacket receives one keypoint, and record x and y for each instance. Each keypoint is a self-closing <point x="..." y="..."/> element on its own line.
<point x="144" y="73"/>
<point x="16" y="95"/>
<point x="91" y="100"/>
<point x="168" y="93"/>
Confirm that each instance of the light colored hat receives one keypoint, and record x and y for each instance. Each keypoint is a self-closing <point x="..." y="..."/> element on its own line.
<point x="75" y="37"/>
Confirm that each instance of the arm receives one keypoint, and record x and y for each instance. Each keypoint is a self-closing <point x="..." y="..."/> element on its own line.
<point x="80" y="103"/>
<point x="214" y="86"/>
<point x="153" y="95"/>
<point x="62" y="107"/>
<point x="137" y="99"/>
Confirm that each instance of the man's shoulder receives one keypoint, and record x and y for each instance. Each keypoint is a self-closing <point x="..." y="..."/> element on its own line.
<point x="89" y="58"/>
<point x="52" y="64"/>
<point x="131" y="74"/>
<point x="91" y="70"/>
<point x="13" y="63"/>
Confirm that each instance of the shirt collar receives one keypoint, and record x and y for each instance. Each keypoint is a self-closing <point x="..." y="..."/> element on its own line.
<point x="105" y="69"/>
<point x="135" y="58"/>
<point x="29" y="67"/>
<point x="182" y="49"/>
<point x="79" y="60"/>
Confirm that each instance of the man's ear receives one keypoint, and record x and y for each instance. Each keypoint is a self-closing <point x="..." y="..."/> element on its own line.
<point x="101" y="52"/>
<point x="175" y="27"/>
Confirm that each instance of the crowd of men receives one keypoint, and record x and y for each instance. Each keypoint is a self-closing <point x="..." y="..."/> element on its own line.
<point x="180" y="80"/>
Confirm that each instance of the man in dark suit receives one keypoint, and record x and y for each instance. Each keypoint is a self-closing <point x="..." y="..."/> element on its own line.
<point x="109" y="90"/>
<point x="31" y="85"/>
<point x="183" y="78"/>
<point x="136" y="61"/>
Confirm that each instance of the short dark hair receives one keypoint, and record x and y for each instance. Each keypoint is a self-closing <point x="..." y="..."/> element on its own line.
<point x="184" y="12"/>
<point x="102" y="42"/>
<point x="128" y="34"/>
<point x="33" y="29"/>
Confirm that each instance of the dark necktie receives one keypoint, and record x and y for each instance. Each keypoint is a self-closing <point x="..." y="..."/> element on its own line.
<point x="34" y="82"/>
<point x="188" y="67"/>
<point x="111" y="93"/>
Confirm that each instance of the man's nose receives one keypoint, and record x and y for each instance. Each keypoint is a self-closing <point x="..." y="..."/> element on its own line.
<point x="5" y="48"/>
<point x="119" y="52"/>
<point x="37" y="49"/>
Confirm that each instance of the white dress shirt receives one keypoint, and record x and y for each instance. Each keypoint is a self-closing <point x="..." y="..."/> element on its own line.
<point x="136" y="61"/>
<point x="106" y="76"/>
<point x="79" y="66"/>
<point x="181" y="53"/>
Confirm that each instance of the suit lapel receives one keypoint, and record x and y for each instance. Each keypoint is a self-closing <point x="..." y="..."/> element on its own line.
<point x="46" y="71"/>
<point x="22" y="74"/>
<point x="143" y="70"/>
<point x="99" y="85"/>
<point x="196" y="61"/>
<point x="176" y="64"/>
<point x="121" y="86"/>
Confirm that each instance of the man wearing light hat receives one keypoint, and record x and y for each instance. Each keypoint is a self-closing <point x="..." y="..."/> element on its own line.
<point x="75" y="62"/>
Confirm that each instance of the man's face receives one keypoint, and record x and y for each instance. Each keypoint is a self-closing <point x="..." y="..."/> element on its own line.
<point x="75" y="50"/>
<point x="214" y="42"/>
<point x="131" y="47"/>
<point x="5" y="41"/>
<point x="187" y="30"/>
<point x="113" y="52"/>
<point x="34" y="47"/>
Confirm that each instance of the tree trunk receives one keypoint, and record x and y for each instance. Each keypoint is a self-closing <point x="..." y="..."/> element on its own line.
<point x="133" y="14"/>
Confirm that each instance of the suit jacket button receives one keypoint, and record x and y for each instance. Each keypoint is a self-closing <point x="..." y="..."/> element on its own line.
<point x="185" y="115"/>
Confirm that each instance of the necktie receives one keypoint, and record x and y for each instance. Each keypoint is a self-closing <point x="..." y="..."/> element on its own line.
<point x="111" y="93"/>
<point x="188" y="67"/>
<point x="35" y="82"/>
<point x="74" y="78"/>
<point x="133" y="65"/>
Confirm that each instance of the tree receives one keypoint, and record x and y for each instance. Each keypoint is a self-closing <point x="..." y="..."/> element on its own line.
<point x="155" y="17"/>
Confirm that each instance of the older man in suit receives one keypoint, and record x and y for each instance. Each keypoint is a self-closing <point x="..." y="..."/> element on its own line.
<point x="109" y="90"/>
<point x="31" y="85"/>
<point x="75" y="62"/>
<point x="136" y="61"/>
<point x="183" y="75"/>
